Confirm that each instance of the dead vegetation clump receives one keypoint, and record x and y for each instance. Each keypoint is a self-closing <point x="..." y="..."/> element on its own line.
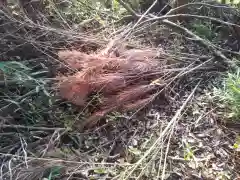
<point x="174" y="140"/>
<point x="122" y="80"/>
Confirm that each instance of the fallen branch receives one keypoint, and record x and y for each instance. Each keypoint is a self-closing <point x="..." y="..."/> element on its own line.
<point x="161" y="18"/>
<point x="128" y="8"/>
<point x="175" y="10"/>
<point x="55" y="160"/>
<point x="204" y="42"/>
<point x="143" y="16"/>
<point x="30" y="127"/>
<point x="227" y="50"/>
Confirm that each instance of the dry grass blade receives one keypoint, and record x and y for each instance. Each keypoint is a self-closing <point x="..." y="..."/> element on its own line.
<point x="171" y="124"/>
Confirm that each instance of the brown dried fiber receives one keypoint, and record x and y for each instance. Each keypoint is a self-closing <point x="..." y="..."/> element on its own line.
<point x="119" y="80"/>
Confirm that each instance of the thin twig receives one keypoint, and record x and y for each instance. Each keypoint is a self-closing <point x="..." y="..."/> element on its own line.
<point x="164" y="132"/>
<point x="141" y="17"/>
<point x="161" y="18"/>
<point x="204" y="42"/>
<point x="51" y="142"/>
<point x="145" y="13"/>
<point x="31" y="127"/>
<point x="175" y="10"/>
<point x="227" y="51"/>
<point x="10" y="169"/>
<point x="128" y="8"/>
<point x="161" y="153"/>
<point x="168" y="144"/>
<point x="64" y="161"/>
<point x="24" y="145"/>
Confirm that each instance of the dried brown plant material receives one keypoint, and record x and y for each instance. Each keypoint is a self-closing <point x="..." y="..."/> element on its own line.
<point x="109" y="83"/>
<point x="95" y="117"/>
<point x="76" y="91"/>
<point x="137" y="54"/>
<point x="128" y="95"/>
<point x="72" y="58"/>
<point x="137" y="104"/>
<point x="120" y="80"/>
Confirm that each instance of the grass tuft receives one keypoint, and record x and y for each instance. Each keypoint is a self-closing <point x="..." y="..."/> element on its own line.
<point x="229" y="94"/>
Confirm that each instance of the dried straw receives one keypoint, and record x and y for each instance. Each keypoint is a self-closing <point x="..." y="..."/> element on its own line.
<point x="118" y="79"/>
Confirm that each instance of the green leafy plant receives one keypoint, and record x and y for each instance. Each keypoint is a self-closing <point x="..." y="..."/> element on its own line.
<point x="100" y="171"/>
<point x="229" y="94"/>
<point x="188" y="152"/>
<point x="236" y="145"/>
<point x="204" y="30"/>
<point x="230" y="2"/>
<point x="55" y="172"/>
<point x="82" y="11"/>
<point x="24" y="90"/>
<point x="20" y="73"/>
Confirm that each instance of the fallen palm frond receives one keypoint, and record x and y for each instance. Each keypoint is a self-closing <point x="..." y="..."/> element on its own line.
<point x="123" y="81"/>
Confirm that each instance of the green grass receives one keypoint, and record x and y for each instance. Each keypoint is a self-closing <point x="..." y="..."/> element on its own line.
<point x="24" y="91"/>
<point x="204" y="30"/>
<point x="78" y="11"/>
<point x="229" y="94"/>
<point x="230" y="2"/>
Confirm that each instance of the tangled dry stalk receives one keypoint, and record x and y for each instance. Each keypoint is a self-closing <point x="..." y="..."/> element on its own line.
<point x="122" y="79"/>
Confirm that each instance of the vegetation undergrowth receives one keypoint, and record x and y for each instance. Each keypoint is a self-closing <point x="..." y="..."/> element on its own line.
<point x="229" y="94"/>
<point x="178" y="136"/>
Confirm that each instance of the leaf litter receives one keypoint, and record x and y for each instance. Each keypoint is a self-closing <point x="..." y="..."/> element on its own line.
<point x="198" y="146"/>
